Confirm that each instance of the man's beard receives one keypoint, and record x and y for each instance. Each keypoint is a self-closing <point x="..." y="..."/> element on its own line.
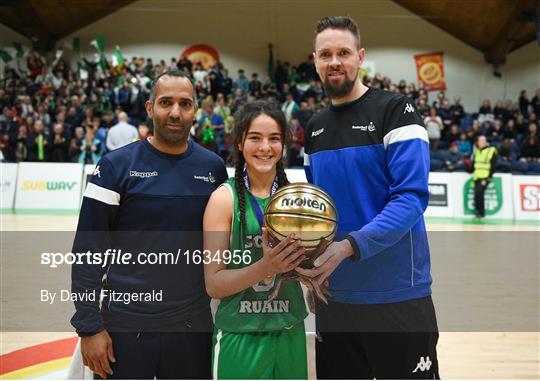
<point x="338" y="91"/>
<point x="173" y="137"/>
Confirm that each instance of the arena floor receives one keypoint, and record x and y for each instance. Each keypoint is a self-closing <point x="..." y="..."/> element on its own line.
<point x="462" y="355"/>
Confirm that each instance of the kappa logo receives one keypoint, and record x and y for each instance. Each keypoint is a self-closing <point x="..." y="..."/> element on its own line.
<point x="96" y="172"/>
<point x="423" y="365"/>
<point x="370" y="127"/>
<point x="408" y="108"/>
<point x="143" y="175"/>
<point x="207" y="179"/>
<point x="318" y="132"/>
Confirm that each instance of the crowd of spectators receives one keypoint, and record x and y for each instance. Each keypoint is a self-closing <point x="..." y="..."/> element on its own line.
<point x="57" y="114"/>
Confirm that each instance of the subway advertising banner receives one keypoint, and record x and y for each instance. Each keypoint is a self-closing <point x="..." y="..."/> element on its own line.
<point x="497" y="198"/>
<point x="526" y="191"/>
<point x="430" y="71"/>
<point x="441" y="198"/>
<point x="48" y="186"/>
<point x="8" y="182"/>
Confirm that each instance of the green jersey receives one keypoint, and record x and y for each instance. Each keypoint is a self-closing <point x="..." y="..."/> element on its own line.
<point x="250" y="310"/>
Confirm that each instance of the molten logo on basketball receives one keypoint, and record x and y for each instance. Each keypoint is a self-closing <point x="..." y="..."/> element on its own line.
<point x="303" y="202"/>
<point x="302" y="209"/>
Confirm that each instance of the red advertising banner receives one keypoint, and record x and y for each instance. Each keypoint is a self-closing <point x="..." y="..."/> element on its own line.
<point x="430" y="71"/>
<point x="205" y="54"/>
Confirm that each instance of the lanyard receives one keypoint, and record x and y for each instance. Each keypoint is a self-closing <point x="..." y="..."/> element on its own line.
<point x="256" y="207"/>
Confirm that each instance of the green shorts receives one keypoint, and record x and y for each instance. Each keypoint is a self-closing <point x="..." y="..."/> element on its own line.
<point x="260" y="355"/>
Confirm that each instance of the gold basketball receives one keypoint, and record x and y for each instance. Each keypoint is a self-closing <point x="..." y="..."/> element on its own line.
<point x="305" y="210"/>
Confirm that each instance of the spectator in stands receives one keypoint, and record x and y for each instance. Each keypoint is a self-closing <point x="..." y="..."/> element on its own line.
<point x="508" y="154"/>
<point x="509" y="132"/>
<point x="304" y="114"/>
<point x="423" y="107"/>
<point x="212" y="128"/>
<point x="185" y="64"/>
<point x="499" y="110"/>
<point x="532" y="130"/>
<point x="221" y="108"/>
<point x="58" y="144"/>
<point x="535" y="102"/>
<point x="495" y="132"/>
<point x="255" y="86"/>
<point x="21" y="149"/>
<point x="521" y="124"/>
<point x="281" y="73"/>
<point x="76" y="143"/>
<point x="446" y="115"/>
<point x="26" y="107"/>
<point x="464" y="145"/>
<point x="485" y="108"/>
<point x="121" y="134"/>
<point x="226" y="82"/>
<point x="144" y="131"/>
<point x="90" y="148"/>
<point x="37" y="142"/>
<point x="523" y="103"/>
<point x="290" y="107"/>
<point x="454" y="160"/>
<point x="452" y="135"/>
<point x="457" y="110"/>
<point x="293" y="77"/>
<point x="296" y="158"/>
<point x="434" y="127"/>
<point x="530" y="151"/>
<point x="242" y="83"/>
<point x="200" y="76"/>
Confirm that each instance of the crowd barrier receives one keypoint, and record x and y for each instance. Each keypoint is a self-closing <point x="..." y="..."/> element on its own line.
<point x="59" y="186"/>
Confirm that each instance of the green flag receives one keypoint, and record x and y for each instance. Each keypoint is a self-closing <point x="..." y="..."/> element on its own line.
<point x="271" y="70"/>
<point x="76" y="44"/>
<point x="5" y="56"/>
<point x="99" y="44"/>
<point x="117" y="57"/>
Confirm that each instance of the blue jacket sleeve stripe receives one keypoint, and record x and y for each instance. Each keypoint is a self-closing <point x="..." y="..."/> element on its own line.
<point x="412" y="131"/>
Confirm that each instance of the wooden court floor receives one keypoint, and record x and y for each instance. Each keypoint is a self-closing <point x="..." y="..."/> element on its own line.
<point x="462" y="355"/>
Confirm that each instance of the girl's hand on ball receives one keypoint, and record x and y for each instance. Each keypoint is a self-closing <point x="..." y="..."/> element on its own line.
<point x="286" y="256"/>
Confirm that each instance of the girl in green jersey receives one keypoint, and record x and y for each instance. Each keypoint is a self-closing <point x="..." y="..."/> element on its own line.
<point x="254" y="338"/>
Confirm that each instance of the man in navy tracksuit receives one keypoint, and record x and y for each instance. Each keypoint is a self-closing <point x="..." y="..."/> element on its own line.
<point x="148" y="197"/>
<point x="369" y="150"/>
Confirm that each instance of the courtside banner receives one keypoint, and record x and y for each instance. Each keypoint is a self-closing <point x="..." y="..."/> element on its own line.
<point x="526" y="190"/>
<point x="430" y="71"/>
<point x="441" y="199"/>
<point x="8" y="181"/>
<point x="49" y="186"/>
<point x="498" y="198"/>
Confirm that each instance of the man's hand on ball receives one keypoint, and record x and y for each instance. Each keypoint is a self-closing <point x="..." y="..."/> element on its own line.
<point x="328" y="261"/>
<point x="284" y="257"/>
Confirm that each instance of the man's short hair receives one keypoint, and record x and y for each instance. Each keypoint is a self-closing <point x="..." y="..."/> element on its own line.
<point x="172" y="73"/>
<point x="338" y="22"/>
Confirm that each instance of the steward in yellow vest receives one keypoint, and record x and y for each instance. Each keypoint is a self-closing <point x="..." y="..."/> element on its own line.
<point x="484" y="161"/>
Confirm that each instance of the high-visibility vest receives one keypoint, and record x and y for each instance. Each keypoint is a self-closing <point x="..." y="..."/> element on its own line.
<point x="482" y="162"/>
